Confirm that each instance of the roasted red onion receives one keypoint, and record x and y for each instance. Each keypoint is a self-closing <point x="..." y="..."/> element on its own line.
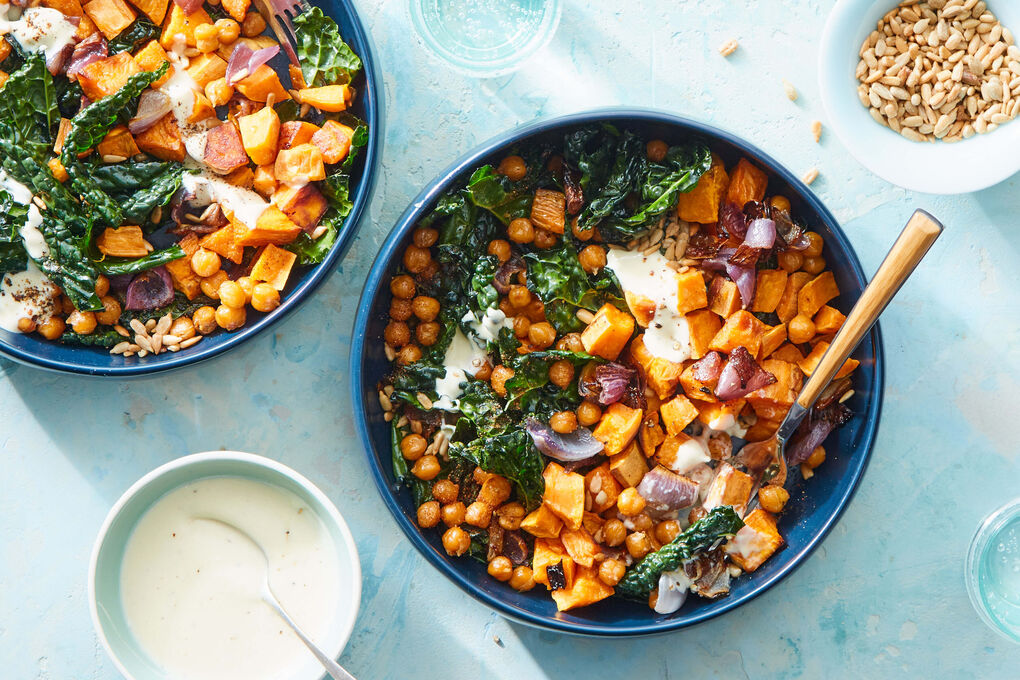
<point x="244" y="60"/>
<point x="741" y="375"/>
<point x="151" y="289"/>
<point x="55" y="61"/>
<point x="707" y="368"/>
<point x="704" y="245"/>
<point x="152" y="106"/>
<point x="574" y="446"/>
<point x="189" y="6"/>
<point x="813" y="431"/>
<point x="731" y="220"/>
<point x="744" y="276"/>
<point x="666" y="491"/>
<point x="501" y="279"/>
<point x="613" y="380"/>
<point x="761" y="234"/>
<point x="92" y="48"/>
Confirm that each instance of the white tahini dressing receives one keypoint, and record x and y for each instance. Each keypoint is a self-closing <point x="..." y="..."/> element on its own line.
<point x="727" y="423"/>
<point x="690" y="454"/>
<point x="668" y="335"/>
<point x="191" y="588"/>
<point x="245" y="204"/>
<point x="38" y="29"/>
<point x="487" y="328"/>
<point x="181" y="89"/>
<point x="463" y="357"/>
<point x="28" y="294"/>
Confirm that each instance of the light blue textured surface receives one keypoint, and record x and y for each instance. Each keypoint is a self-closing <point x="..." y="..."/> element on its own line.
<point x="883" y="597"/>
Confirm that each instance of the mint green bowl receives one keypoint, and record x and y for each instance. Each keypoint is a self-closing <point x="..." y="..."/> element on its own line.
<point x="108" y="553"/>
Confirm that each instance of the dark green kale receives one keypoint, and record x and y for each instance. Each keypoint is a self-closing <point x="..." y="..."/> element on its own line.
<point x="28" y="110"/>
<point x="604" y="192"/>
<point x="68" y="97"/>
<point x="480" y="407"/>
<point x="13" y="257"/>
<point x="139" y="187"/>
<point x="101" y="337"/>
<point x="134" y="36"/>
<point x="325" y="58"/>
<point x="663" y="182"/>
<point x="557" y="278"/>
<point x="499" y="195"/>
<point x="116" y="266"/>
<point x="511" y="454"/>
<point x="483" y="293"/>
<point x="643" y="577"/>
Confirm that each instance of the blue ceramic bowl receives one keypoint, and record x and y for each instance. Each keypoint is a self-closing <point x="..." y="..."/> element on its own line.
<point x="35" y="351"/>
<point x="814" y="506"/>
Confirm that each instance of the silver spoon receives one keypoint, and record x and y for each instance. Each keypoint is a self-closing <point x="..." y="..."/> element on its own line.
<point x="334" y="669"/>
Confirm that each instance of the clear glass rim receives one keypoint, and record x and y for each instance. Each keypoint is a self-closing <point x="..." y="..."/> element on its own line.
<point x="488" y="68"/>
<point x="992" y="523"/>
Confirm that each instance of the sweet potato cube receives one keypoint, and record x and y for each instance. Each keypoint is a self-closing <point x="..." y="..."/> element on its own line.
<point x="617" y="427"/>
<point x="773" y="401"/>
<point x="224" y="151"/>
<point x="549" y="210"/>
<point x="548" y="552"/>
<point x="237" y="8"/>
<point x="242" y="177"/>
<point x="206" y="68"/>
<point x="602" y="487"/>
<point x="723" y="297"/>
<point x="69" y="8"/>
<point x="265" y="180"/>
<point x="260" y="84"/>
<point x="154" y="9"/>
<point x="305" y="205"/>
<point x="5" y="49"/>
<point x="273" y="266"/>
<point x="641" y="307"/>
<point x="768" y="290"/>
<point x="587" y="589"/>
<point x="542" y="523"/>
<point x="151" y="57"/>
<point x="789" y="353"/>
<point x="127" y="241"/>
<point x="272" y="227"/>
<point x="184" y="277"/>
<point x="809" y="363"/>
<point x="608" y="333"/>
<point x="787" y="307"/>
<point x="110" y="16"/>
<point x="296" y="132"/>
<point x="163" y="140"/>
<point x="651" y="435"/>
<point x="720" y="415"/>
<point x="828" y="320"/>
<point x="816" y="293"/>
<point x="661" y="374"/>
<point x="680" y="453"/>
<point x="730" y="487"/>
<point x="118" y="142"/>
<point x="299" y="165"/>
<point x="334" y="141"/>
<point x="57" y="168"/>
<point x="564" y="494"/>
<point x="260" y="132"/>
<point x="772" y="340"/>
<point x="701" y="204"/>
<point x="747" y="183"/>
<point x="580" y="546"/>
<point x="761" y="430"/>
<point x="754" y="542"/>
<point x="702" y="326"/>
<point x="741" y="329"/>
<point x="691" y="292"/>
<point x="104" y="77"/>
<point x="696" y="389"/>
<point x="184" y="24"/>
<point x="222" y="243"/>
<point x="677" y="413"/>
<point x="333" y="98"/>
<point x="629" y="467"/>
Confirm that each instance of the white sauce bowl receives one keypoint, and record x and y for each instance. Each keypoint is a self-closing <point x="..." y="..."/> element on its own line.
<point x="107" y="609"/>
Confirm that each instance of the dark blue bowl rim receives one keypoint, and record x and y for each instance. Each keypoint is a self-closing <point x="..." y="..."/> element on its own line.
<point x="378" y="275"/>
<point x="372" y="102"/>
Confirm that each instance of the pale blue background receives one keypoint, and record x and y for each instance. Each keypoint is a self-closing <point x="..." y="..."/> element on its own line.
<point x="884" y="595"/>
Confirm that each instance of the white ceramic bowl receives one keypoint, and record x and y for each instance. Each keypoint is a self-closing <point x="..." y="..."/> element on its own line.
<point x="108" y="551"/>
<point x="936" y="168"/>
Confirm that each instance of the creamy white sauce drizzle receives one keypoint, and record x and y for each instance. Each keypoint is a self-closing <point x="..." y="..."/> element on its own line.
<point x="487" y="328"/>
<point x="244" y="204"/>
<point x="463" y="357"/>
<point x="747" y="542"/>
<point x="28" y="294"/>
<point x="689" y="455"/>
<point x="181" y="89"/>
<point x="39" y="29"/>
<point x="668" y="335"/>
<point x="727" y="423"/>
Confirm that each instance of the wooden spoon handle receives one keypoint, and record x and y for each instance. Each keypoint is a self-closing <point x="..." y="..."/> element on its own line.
<point x="912" y="245"/>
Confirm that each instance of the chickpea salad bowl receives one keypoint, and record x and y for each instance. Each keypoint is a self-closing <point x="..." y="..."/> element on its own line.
<point x="564" y="345"/>
<point x="172" y="180"/>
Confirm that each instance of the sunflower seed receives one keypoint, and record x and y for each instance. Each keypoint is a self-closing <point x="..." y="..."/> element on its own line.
<point x="729" y="47"/>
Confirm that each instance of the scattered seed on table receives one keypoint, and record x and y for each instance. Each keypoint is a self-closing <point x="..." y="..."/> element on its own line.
<point x="790" y="90"/>
<point x="729" y="47"/>
<point x="811" y="176"/>
<point x="816" y="130"/>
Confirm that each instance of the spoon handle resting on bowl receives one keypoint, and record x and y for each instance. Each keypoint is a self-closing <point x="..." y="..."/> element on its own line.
<point x="913" y="243"/>
<point x="334" y="669"/>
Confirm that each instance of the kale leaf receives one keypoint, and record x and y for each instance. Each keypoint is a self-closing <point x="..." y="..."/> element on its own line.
<point x="643" y="577"/>
<point x="497" y="194"/>
<point x="604" y="192"/>
<point x="481" y="407"/>
<point x="13" y="257"/>
<point x="325" y="58"/>
<point x="68" y="97"/>
<point x="139" y="187"/>
<point x="557" y="278"/>
<point x="663" y="183"/>
<point x="134" y="36"/>
<point x="99" y="338"/>
<point x="116" y="266"/>
<point x="511" y="454"/>
<point x="28" y="109"/>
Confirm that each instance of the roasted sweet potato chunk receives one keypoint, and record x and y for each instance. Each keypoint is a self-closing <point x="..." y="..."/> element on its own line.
<point x="334" y="141"/>
<point x="542" y="523"/>
<point x="110" y="16"/>
<point x="224" y="151"/>
<point x="206" y="68"/>
<point x="723" y="297"/>
<point x="691" y="292"/>
<point x="69" y="8"/>
<point x="677" y="413"/>
<point x="184" y="24"/>
<point x="163" y="140"/>
<point x="629" y="466"/>
<point x="222" y="243"/>
<point x="564" y="494"/>
<point x="587" y="589"/>
<point x="305" y="206"/>
<point x="701" y="204"/>
<point x="118" y="142"/>
<point x="296" y="132"/>
<point x="273" y="266"/>
<point x="816" y="293"/>
<point x="787" y="307"/>
<point x="768" y="290"/>
<point x="260" y="132"/>
<point x="828" y="320"/>
<point x="618" y="427"/>
<point x="272" y="226"/>
<point x="127" y="241"/>
<point x="184" y="277"/>
<point x="703" y="325"/>
<point x="603" y="488"/>
<point x="237" y="8"/>
<point x="151" y="57"/>
<point x="810" y="362"/>
<point x="104" y="77"/>
<point x="742" y="329"/>
<point x="299" y="165"/>
<point x="730" y="487"/>
<point x="747" y="183"/>
<point x="755" y="542"/>
<point x="260" y="84"/>
<point x="608" y="333"/>
<point x="331" y="98"/>
<point x="154" y="9"/>
<point x="773" y="401"/>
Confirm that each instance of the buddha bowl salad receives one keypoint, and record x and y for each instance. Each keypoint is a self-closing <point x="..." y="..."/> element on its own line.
<point x="582" y="338"/>
<point x="156" y="176"/>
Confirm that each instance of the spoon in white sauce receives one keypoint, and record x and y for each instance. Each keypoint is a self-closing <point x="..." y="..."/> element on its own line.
<point x="334" y="669"/>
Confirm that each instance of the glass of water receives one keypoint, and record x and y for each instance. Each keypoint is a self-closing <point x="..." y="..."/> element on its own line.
<point x="485" y="38"/>
<point x="993" y="571"/>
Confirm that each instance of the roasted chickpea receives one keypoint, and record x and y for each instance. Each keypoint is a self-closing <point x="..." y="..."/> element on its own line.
<point x="456" y="541"/>
<point x="397" y="334"/>
<point x="521" y="230"/>
<point x="408" y="354"/>
<point x="542" y="334"/>
<point x="66" y="306"/>
<point x="815" y="244"/>
<point x="182" y="327"/>
<point x="816" y="458"/>
<point x="780" y="203"/>
<point x="82" y="323"/>
<point x="696" y="513"/>
<point x="506" y="307"/>
<point x="444" y="490"/>
<point x="656" y="150"/>
<point x="228" y="31"/>
<point x="111" y="311"/>
<point x="206" y="38"/>
<point x="211" y="284"/>
<point x="431" y="269"/>
<point x="592" y="258"/>
<point x="666" y="531"/>
<point x="400" y="310"/>
<point x="545" y="239"/>
<point x="485" y="372"/>
<point x="535" y="311"/>
<point x="800" y="329"/>
<point x="790" y="260"/>
<point x="588" y="413"/>
<point x="581" y="234"/>
<point x="613" y="532"/>
<point x="513" y="167"/>
<point x="453" y="513"/>
<point x="773" y="497"/>
<point x="248" y="286"/>
<point x="630" y="502"/>
<point x="102" y="285"/>
<point x="426" y="467"/>
<point x="500" y="374"/>
<point x="27" y="325"/>
<point x="413" y="446"/>
<point x="264" y="298"/>
<point x="523" y="579"/>
<point x="425" y="237"/>
<point x="253" y="24"/>
<point x="563" y="422"/>
<point x="52" y="328"/>
<point x="402" y="287"/>
<point x="230" y="318"/>
<point x="478" y="514"/>
<point x="611" y="571"/>
<point x="519" y="296"/>
<point x="500" y="568"/>
<point x="495" y="491"/>
<point x="232" y="295"/>
<point x="813" y="265"/>
<point x="571" y="342"/>
<point x="204" y="320"/>
<point x="638" y="544"/>
<point x="218" y="92"/>
<point x="425" y="308"/>
<point x="561" y="373"/>
<point x="427" y="333"/>
<point x="500" y="249"/>
<point x="510" y="516"/>
<point x="642" y="522"/>
<point x="521" y="326"/>
<point x="428" y="514"/>
<point x="416" y="259"/>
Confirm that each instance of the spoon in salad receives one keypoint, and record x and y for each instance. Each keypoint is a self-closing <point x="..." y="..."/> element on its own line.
<point x="769" y="457"/>
<point x="335" y="670"/>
